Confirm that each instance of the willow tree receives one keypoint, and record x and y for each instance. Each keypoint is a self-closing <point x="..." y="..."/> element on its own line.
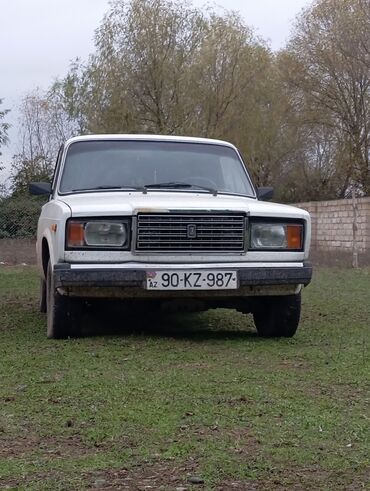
<point x="327" y="63"/>
<point x="167" y="67"/>
<point x="140" y="77"/>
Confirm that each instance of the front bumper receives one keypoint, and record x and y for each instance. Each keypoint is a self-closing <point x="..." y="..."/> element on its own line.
<point x="67" y="276"/>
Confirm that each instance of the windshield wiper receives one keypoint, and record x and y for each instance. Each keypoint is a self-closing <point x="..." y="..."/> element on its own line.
<point x="107" y="188"/>
<point x="179" y="185"/>
<point x="144" y="189"/>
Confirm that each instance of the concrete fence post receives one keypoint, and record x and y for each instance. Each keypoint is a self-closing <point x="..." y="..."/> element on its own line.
<point x="355" y="230"/>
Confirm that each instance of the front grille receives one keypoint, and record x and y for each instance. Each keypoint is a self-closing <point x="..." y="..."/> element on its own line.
<point x="191" y="232"/>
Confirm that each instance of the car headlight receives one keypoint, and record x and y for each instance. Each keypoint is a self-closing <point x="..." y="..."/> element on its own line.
<point x="97" y="233"/>
<point x="280" y="236"/>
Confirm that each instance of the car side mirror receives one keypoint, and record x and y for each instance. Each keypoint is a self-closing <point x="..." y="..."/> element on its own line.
<point x="265" y="193"/>
<point x="39" y="188"/>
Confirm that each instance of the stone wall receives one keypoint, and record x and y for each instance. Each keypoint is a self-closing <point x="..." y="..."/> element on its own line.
<point x="332" y="224"/>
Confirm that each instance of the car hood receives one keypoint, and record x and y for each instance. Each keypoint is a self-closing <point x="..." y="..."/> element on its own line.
<point x="123" y="203"/>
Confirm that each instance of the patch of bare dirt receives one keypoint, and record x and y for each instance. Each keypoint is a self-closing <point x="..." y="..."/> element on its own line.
<point x="155" y="475"/>
<point x="159" y="475"/>
<point x="164" y="476"/>
<point x="70" y="446"/>
<point x="302" y="479"/>
<point x="17" y="251"/>
<point x="167" y="475"/>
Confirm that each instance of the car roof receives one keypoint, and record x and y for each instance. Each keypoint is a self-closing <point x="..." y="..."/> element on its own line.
<point x="141" y="137"/>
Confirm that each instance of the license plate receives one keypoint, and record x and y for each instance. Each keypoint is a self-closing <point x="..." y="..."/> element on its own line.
<point x="191" y="280"/>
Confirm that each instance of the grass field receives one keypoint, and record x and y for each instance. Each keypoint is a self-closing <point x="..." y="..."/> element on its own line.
<point x="153" y="405"/>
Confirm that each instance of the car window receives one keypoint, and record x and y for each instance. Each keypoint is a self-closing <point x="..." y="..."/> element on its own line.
<point x="91" y="164"/>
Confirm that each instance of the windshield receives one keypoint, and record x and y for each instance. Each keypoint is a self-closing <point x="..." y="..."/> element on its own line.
<point x="126" y="164"/>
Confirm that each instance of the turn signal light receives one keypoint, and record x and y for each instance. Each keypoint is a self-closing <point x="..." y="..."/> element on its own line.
<point x="75" y="234"/>
<point x="294" y="236"/>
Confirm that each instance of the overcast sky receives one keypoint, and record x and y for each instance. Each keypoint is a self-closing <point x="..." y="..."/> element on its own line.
<point x="39" y="38"/>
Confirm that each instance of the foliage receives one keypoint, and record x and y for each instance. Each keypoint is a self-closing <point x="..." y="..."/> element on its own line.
<point x="45" y="126"/>
<point x="3" y="128"/>
<point x="168" y="68"/>
<point x="19" y="216"/>
<point x="327" y="66"/>
<point x="26" y="170"/>
<point x="301" y="117"/>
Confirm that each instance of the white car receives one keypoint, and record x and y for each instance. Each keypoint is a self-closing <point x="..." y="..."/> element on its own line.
<point x="167" y="223"/>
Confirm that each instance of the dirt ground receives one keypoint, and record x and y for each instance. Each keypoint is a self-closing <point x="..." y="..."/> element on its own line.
<point x="17" y="251"/>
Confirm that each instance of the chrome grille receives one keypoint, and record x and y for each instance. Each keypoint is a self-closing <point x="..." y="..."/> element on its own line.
<point x="190" y="232"/>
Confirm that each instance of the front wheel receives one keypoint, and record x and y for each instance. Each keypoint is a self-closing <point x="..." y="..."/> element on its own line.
<point x="62" y="321"/>
<point x="277" y="316"/>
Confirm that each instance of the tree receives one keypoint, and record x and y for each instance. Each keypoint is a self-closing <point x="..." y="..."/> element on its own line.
<point x="3" y="127"/>
<point x="140" y="78"/>
<point x="166" y="67"/>
<point x="224" y="68"/>
<point x="3" y="140"/>
<point x="327" y="65"/>
<point x="45" y="125"/>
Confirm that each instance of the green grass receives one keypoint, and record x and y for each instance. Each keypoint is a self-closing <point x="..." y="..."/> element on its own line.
<point x="193" y="395"/>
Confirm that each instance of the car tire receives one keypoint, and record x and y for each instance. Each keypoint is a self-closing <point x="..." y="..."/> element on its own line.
<point x="277" y="316"/>
<point x="62" y="320"/>
<point x="42" y="302"/>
